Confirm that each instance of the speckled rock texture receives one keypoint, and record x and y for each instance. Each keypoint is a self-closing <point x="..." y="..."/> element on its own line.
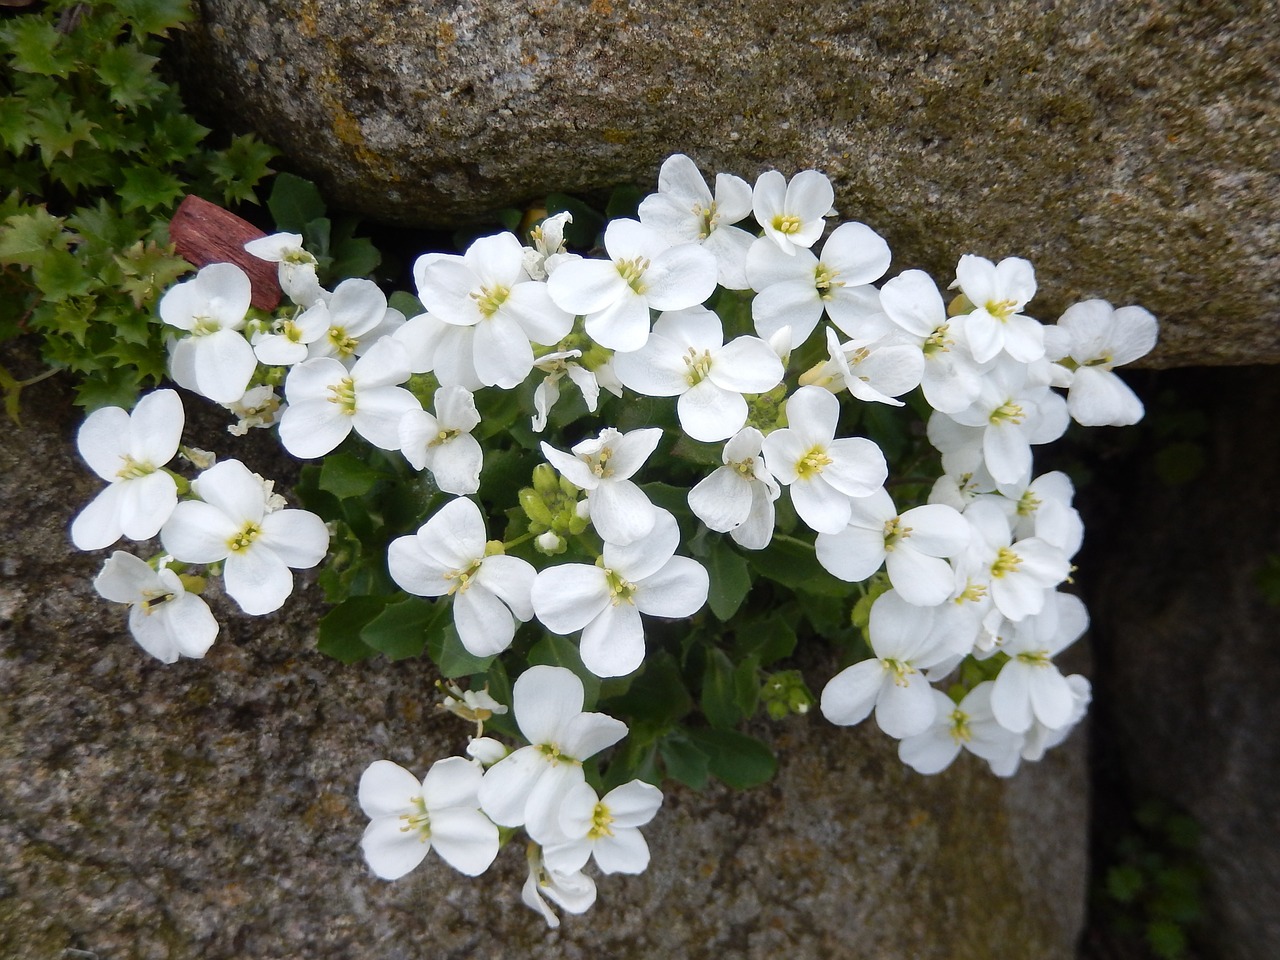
<point x="1188" y="650"/>
<point x="1129" y="150"/>
<point x="207" y="809"/>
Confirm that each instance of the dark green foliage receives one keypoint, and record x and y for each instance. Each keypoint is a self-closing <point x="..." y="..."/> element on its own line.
<point x="97" y="151"/>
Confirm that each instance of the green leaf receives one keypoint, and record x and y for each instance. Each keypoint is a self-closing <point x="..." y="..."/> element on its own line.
<point x="294" y="202"/>
<point x="406" y="303"/>
<point x="240" y="167"/>
<point x="401" y="630"/>
<point x="15" y="128"/>
<point x="146" y="188"/>
<point x="445" y="648"/>
<point x="730" y="578"/>
<point x="794" y="564"/>
<point x="155" y="17"/>
<point x="57" y="129"/>
<point x="36" y="46"/>
<point x="768" y="640"/>
<point x="346" y="475"/>
<point x="623" y="202"/>
<point x="740" y="761"/>
<point x="1124" y="883"/>
<point x="128" y="75"/>
<point x="562" y="652"/>
<point x="746" y="686"/>
<point x="62" y="275"/>
<point x="354" y="257"/>
<point x="339" y="631"/>
<point x="27" y="238"/>
<point x="719" y="702"/>
<point x="657" y="695"/>
<point x="684" y="761"/>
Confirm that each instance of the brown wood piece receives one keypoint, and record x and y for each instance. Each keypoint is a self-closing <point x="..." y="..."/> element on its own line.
<point x="204" y="233"/>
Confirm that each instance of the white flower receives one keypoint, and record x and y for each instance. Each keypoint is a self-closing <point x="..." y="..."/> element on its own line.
<point x="528" y="787"/>
<point x="575" y="892"/>
<point x="408" y="818"/>
<point x="1040" y="738"/>
<point x="1042" y="508"/>
<point x="548" y="250"/>
<point x="910" y="545"/>
<point x="1029" y="686"/>
<point x="605" y="600"/>
<point x="355" y="318"/>
<point x="166" y="621"/>
<point x="557" y="365"/>
<point x="214" y="359"/>
<point x="491" y="308"/>
<point x="606" y="828"/>
<point x="442" y="443"/>
<point x="796" y="286"/>
<point x="259" y="407"/>
<point x="1097" y="339"/>
<point x="874" y="371"/>
<point x="643" y="271"/>
<point x="231" y="523"/>
<point x="821" y="471"/>
<point x="970" y="725"/>
<point x="447" y="556"/>
<point x="297" y="267"/>
<point x="792" y="213"/>
<point x="905" y="639"/>
<point x="686" y="356"/>
<point x="290" y="338"/>
<point x="684" y="211"/>
<point x="998" y="293"/>
<point x="128" y="450"/>
<point x="620" y="511"/>
<point x="1018" y="575"/>
<point x="326" y="401"/>
<point x="738" y="497"/>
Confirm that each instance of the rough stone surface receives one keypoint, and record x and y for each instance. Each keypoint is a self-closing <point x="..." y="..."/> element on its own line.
<point x="1188" y="660"/>
<point x="207" y="809"/>
<point x="1128" y="149"/>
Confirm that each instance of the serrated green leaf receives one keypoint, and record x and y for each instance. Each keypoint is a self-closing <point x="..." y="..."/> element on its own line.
<point x="147" y="270"/>
<point x="719" y="702"/>
<point x="346" y="475"/>
<point x="339" y="629"/>
<point x="56" y="129"/>
<point x="402" y="629"/>
<point x="61" y="275"/>
<point x="768" y="640"/>
<point x="173" y="136"/>
<point x="15" y="128"/>
<point x="36" y="47"/>
<point x="27" y="239"/>
<point x="684" y="761"/>
<point x="146" y="188"/>
<point x="117" y="387"/>
<point x="128" y="74"/>
<point x="294" y="202"/>
<point x="155" y="17"/>
<point x="445" y="649"/>
<point x="240" y="167"/>
<point x="740" y="761"/>
<point x="730" y="578"/>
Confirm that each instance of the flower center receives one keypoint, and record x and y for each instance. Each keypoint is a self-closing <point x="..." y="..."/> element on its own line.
<point x="894" y="533"/>
<point x="601" y="819"/>
<point x="1002" y="310"/>
<point x="417" y="820"/>
<point x="938" y="341"/>
<point x="786" y="223"/>
<point x="290" y="331"/>
<point x="153" y="598"/>
<point x="131" y="469"/>
<point x="343" y="393"/>
<point x="707" y="219"/>
<point x="619" y="589"/>
<point x="242" y="540"/>
<point x="553" y="753"/>
<point x="1006" y="562"/>
<point x="746" y="468"/>
<point x="489" y="299"/>
<point x="812" y="463"/>
<point x="443" y="437"/>
<point x="901" y="671"/>
<point x="343" y="344"/>
<point x="1028" y="504"/>
<point x="960" y="731"/>
<point x="972" y="592"/>
<point x="1035" y="658"/>
<point x="460" y="579"/>
<point x="698" y="367"/>
<point x="599" y="462"/>
<point x="633" y="271"/>
<point x="1008" y="412"/>
<point x="204" y="326"/>
<point x="825" y="282"/>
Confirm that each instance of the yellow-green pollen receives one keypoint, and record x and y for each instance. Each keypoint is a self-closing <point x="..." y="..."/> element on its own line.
<point x="242" y="540"/>
<point x="459" y="580"/>
<point x="444" y="436"/>
<point x="131" y="469"/>
<point x="343" y="393"/>
<point x="600" y="822"/>
<point x="417" y="820"/>
<point x="552" y="752"/>
<point x="786" y="223"/>
<point x="1036" y="658"/>
<point x="901" y="671"/>
<point x="489" y="299"/>
<point x="633" y="271"/>
<point x="619" y="589"/>
<point x="746" y="468"/>
<point x="894" y="533"/>
<point x="1006" y="562"/>
<point x="1028" y="504"/>
<point x="812" y="462"/>
<point x="1008" y="412"/>
<point x="707" y="218"/>
<point x="1002" y="310"/>
<point x="343" y="344"/>
<point x="824" y="280"/>
<point x="599" y="463"/>
<point x="204" y="326"/>
<point x="938" y="341"/>
<point x="699" y="366"/>
<point x="960" y="731"/>
<point x="972" y="592"/>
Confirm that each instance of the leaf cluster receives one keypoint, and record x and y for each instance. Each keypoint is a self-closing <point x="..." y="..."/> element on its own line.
<point x="97" y="149"/>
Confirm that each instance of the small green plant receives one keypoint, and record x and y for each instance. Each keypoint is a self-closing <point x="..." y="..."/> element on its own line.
<point x="1152" y="889"/>
<point x="97" y="149"/>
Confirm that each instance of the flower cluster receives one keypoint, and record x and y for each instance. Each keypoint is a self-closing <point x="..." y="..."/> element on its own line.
<point x="727" y="348"/>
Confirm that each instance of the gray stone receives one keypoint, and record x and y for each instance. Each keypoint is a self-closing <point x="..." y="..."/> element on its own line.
<point x="1129" y="150"/>
<point x="207" y="808"/>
